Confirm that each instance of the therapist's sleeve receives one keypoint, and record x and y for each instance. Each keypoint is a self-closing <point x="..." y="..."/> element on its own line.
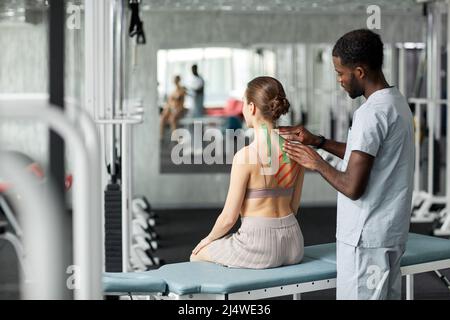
<point x="369" y="130"/>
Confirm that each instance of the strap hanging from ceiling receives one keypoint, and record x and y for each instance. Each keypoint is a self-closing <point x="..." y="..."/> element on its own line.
<point x="136" y="25"/>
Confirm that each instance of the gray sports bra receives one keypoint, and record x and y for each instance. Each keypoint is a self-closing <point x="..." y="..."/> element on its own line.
<point x="269" y="193"/>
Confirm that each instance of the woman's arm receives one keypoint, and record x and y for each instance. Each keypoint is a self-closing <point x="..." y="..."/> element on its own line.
<point x="240" y="174"/>
<point x="236" y="193"/>
<point x="296" y="197"/>
<point x="166" y="105"/>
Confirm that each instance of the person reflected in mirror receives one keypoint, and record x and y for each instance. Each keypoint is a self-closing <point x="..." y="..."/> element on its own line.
<point x="174" y="108"/>
<point x="196" y="89"/>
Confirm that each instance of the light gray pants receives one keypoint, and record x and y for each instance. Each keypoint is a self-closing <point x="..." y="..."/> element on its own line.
<point x="260" y="243"/>
<point x="368" y="273"/>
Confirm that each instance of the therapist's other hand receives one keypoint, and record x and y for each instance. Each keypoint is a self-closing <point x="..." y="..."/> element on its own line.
<point x="300" y="134"/>
<point x="203" y="243"/>
<point x="303" y="155"/>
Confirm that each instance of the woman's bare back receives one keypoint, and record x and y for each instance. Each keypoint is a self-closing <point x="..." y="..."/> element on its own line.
<point x="278" y="179"/>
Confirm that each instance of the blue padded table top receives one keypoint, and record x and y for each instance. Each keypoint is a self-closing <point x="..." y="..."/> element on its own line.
<point x="205" y="277"/>
<point x="325" y="252"/>
<point x="419" y="249"/>
<point x="132" y="282"/>
<point x="422" y="249"/>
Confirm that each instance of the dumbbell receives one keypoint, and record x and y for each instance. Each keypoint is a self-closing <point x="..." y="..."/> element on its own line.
<point x="138" y="232"/>
<point x="141" y="204"/>
<point x="146" y="258"/>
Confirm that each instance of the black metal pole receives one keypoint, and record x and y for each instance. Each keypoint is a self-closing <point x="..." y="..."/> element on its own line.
<point x="56" y="170"/>
<point x="56" y="90"/>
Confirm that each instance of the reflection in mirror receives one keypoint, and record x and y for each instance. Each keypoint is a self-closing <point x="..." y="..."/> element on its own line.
<point x="200" y="94"/>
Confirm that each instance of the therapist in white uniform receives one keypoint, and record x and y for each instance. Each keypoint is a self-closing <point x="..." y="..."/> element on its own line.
<point x="375" y="180"/>
<point x="196" y="89"/>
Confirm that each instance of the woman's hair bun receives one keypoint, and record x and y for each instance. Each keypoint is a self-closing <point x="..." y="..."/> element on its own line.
<point x="279" y="106"/>
<point x="268" y="95"/>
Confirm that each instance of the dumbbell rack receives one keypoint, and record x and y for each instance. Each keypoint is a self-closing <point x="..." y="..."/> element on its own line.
<point x="424" y="201"/>
<point x="144" y="242"/>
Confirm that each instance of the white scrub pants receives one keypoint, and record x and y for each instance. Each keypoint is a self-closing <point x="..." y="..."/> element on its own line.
<point x="368" y="273"/>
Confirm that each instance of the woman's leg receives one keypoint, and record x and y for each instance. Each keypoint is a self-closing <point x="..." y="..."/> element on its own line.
<point x="164" y="118"/>
<point x="174" y="119"/>
<point x="202" y="255"/>
<point x="173" y="122"/>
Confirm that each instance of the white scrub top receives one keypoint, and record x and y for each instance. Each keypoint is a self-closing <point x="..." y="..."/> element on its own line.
<point x="383" y="128"/>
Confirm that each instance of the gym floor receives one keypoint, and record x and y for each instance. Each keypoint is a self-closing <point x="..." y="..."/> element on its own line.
<point x="180" y="231"/>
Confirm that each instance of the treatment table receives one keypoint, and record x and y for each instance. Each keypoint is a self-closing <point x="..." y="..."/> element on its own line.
<point x="317" y="271"/>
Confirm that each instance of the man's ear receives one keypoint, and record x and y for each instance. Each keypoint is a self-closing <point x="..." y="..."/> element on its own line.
<point x="360" y="72"/>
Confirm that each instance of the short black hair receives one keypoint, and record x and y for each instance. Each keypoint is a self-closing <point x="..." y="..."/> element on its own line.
<point x="360" y="46"/>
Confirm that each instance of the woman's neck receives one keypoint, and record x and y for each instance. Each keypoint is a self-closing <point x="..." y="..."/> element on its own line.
<point x="263" y="124"/>
<point x="263" y="129"/>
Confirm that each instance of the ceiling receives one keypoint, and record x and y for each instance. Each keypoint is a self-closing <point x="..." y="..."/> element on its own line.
<point x="9" y="8"/>
<point x="300" y="6"/>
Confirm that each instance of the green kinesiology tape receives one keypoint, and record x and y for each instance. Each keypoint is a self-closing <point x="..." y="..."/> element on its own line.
<point x="285" y="158"/>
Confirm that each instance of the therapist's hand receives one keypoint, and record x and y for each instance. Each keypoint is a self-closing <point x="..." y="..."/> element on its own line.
<point x="300" y="134"/>
<point x="303" y="155"/>
<point x="201" y="245"/>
